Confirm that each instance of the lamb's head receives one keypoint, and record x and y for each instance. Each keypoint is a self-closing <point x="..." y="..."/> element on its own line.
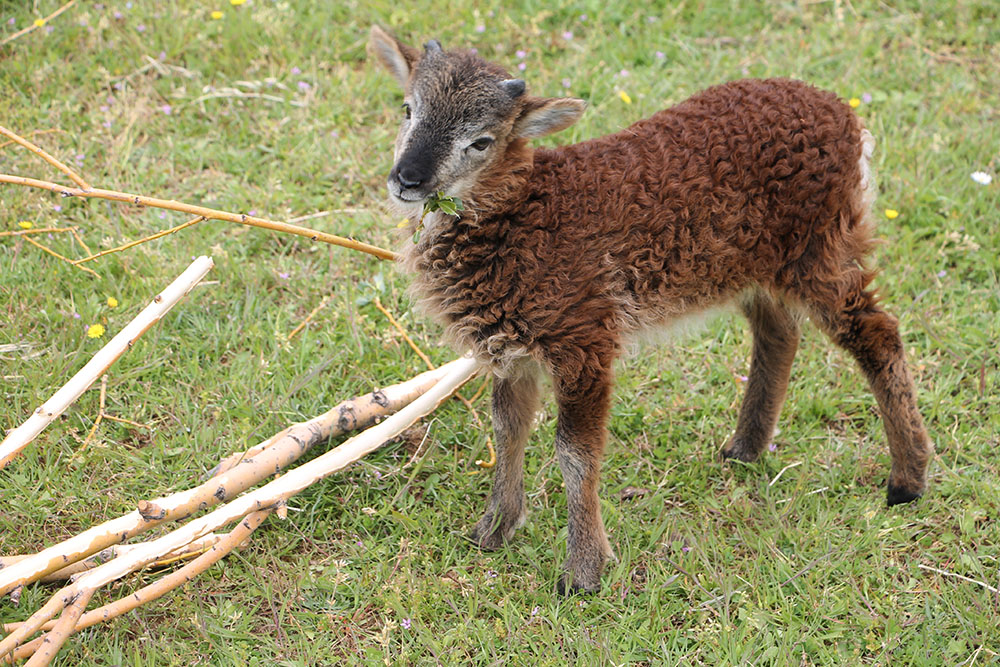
<point x="464" y="120"/>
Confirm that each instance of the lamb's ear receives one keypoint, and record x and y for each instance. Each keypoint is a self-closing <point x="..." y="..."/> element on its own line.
<point x="395" y="56"/>
<point x="541" y="116"/>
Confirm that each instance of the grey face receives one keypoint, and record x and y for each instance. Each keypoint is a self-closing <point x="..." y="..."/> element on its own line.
<point x="458" y="114"/>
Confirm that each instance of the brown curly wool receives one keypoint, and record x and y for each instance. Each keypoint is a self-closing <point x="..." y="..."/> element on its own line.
<point x="756" y="192"/>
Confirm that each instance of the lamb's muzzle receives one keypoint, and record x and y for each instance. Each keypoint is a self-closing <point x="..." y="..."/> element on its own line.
<point x="756" y="192"/>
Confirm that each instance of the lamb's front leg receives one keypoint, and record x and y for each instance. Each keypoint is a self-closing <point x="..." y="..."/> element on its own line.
<point x="515" y="402"/>
<point x="580" y="437"/>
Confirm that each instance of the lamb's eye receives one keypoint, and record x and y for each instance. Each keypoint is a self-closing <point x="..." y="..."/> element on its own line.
<point x="481" y="144"/>
<point x="406" y="108"/>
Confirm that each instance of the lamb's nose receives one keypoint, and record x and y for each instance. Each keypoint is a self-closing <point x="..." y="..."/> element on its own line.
<point x="409" y="177"/>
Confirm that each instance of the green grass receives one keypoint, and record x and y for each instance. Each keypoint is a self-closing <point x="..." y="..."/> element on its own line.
<point x="716" y="565"/>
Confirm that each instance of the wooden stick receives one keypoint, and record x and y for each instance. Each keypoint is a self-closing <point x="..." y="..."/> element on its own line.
<point x="19" y="438"/>
<point x="210" y="213"/>
<point x="103" y="556"/>
<point x="255" y="465"/>
<point x="167" y="583"/>
<point x="267" y="497"/>
<point x="193" y="221"/>
<point x="57" y="636"/>
<point x="45" y="156"/>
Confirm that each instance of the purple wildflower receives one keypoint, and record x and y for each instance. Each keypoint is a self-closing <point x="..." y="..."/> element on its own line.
<point x="10" y="21"/>
<point x="106" y="123"/>
<point x="166" y="108"/>
<point x="57" y="208"/>
<point x="141" y="27"/>
<point x="295" y="70"/>
<point x="866" y="98"/>
<point x="942" y="273"/>
<point x="118" y="14"/>
<point x="772" y="447"/>
<point x="566" y="83"/>
<point x="162" y="56"/>
<point x="304" y="85"/>
<point x="660" y="55"/>
<point x="567" y="35"/>
<point x="522" y="66"/>
<point x="405" y="623"/>
<point x="480" y="28"/>
<point x="284" y="275"/>
<point x="521" y="53"/>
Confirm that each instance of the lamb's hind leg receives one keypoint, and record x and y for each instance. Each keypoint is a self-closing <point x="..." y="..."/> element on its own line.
<point x="775" y="339"/>
<point x="871" y="335"/>
<point x="515" y="401"/>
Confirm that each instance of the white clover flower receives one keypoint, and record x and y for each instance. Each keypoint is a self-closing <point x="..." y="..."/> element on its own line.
<point x="982" y="177"/>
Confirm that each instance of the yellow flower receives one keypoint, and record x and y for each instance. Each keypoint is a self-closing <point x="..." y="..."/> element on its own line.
<point x="854" y="102"/>
<point x="24" y="224"/>
<point x="236" y="3"/>
<point x="216" y="15"/>
<point x="95" y="331"/>
<point x="39" y="23"/>
<point x="112" y="302"/>
<point x="624" y="97"/>
<point x="891" y="213"/>
<point x="403" y="223"/>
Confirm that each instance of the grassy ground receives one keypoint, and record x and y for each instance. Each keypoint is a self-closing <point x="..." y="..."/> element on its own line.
<point x="717" y="564"/>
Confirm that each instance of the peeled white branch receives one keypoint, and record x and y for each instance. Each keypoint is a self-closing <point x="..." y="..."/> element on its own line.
<point x="243" y="471"/>
<point x="270" y="495"/>
<point x="19" y="438"/>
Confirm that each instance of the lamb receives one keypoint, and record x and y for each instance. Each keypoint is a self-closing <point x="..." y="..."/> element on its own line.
<point x="754" y="192"/>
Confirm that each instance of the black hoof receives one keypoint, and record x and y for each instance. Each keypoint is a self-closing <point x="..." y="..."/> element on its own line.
<point x="897" y="495"/>
<point x="566" y="587"/>
<point x="735" y="449"/>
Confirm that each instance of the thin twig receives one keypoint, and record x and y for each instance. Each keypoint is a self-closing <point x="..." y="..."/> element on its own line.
<point x="210" y="213"/>
<point x="57" y="255"/>
<point x="193" y="221"/>
<point x="309" y="317"/>
<point x="45" y="156"/>
<point x="36" y="230"/>
<point x="402" y="332"/>
<point x="32" y="134"/>
<point x="37" y="24"/>
<point x="991" y="589"/>
<point x="492" y="461"/>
